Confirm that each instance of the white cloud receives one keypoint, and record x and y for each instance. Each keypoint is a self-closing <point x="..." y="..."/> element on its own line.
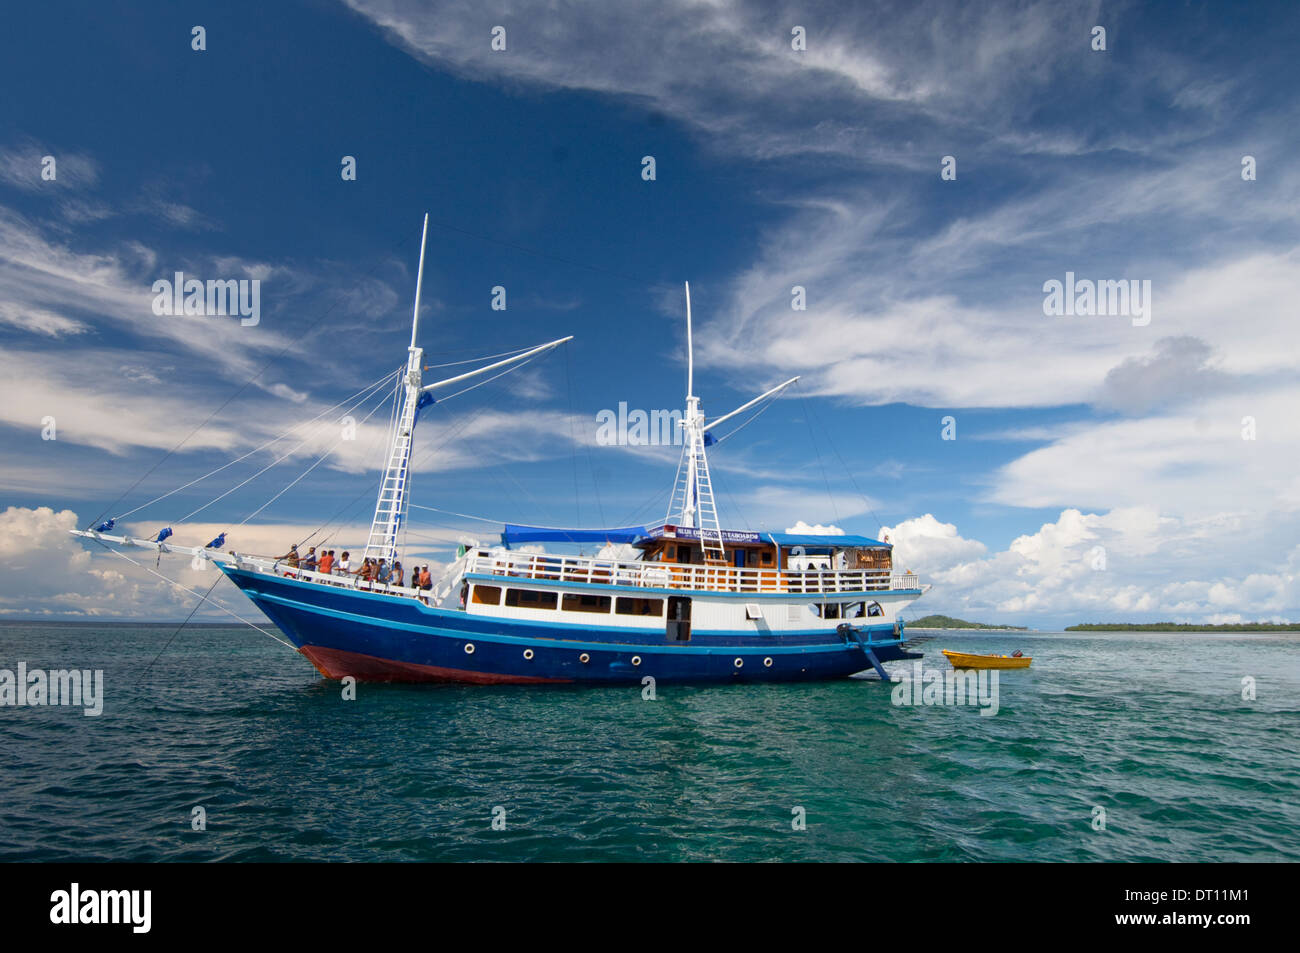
<point x="924" y="541"/>
<point x="1114" y="566"/>
<point x="39" y="320"/>
<point x="46" y="573"/>
<point x="816" y="529"/>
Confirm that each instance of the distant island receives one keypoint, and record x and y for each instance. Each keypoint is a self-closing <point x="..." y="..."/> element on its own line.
<point x="948" y="622"/>
<point x="1183" y="627"/>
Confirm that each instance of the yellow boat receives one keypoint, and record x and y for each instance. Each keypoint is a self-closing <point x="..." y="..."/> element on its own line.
<point x="963" y="660"/>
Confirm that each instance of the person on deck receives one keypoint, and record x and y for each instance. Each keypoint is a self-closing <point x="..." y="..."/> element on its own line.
<point x="308" y="562"/>
<point x="426" y="581"/>
<point x="326" y="564"/>
<point x="291" y="557"/>
<point x="345" y="564"/>
<point x="397" y="575"/>
<point x="383" y="574"/>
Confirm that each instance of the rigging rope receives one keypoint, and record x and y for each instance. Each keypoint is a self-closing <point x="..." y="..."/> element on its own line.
<point x="250" y="479"/>
<point x="849" y="472"/>
<point x="319" y="461"/>
<point x="341" y="513"/>
<point x="820" y="462"/>
<point x="230" y="463"/>
<point x="193" y="593"/>
<point x="383" y="261"/>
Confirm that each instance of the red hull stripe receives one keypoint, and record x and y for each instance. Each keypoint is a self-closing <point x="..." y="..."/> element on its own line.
<point x="335" y="663"/>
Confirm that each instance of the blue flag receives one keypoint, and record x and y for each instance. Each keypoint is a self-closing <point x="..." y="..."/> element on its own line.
<point x="163" y="534"/>
<point x="217" y="543"/>
<point x="105" y="527"/>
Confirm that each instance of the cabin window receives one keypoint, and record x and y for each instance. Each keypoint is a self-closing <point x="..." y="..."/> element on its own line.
<point x="530" y="599"/>
<point x="766" y="558"/>
<point x="874" y="609"/>
<point x="831" y="610"/>
<point x="672" y="552"/>
<point x="854" y="610"/>
<point x="629" y="605"/>
<point x="574" y="602"/>
<point x="487" y="595"/>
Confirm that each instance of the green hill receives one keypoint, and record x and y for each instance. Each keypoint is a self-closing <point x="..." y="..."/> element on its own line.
<point x="948" y="622"/>
<point x="1182" y="627"/>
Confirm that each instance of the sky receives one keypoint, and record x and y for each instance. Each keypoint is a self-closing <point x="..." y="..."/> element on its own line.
<point x="917" y="173"/>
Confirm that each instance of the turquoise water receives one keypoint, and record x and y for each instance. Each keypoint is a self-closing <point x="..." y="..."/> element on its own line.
<point x="1150" y="727"/>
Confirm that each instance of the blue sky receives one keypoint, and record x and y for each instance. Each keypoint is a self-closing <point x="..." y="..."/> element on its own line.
<point x="775" y="168"/>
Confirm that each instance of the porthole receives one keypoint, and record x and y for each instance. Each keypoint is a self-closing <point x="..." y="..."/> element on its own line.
<point x="740" y="663"/>
<point x="584" y="658"/>
<point x="528" y="654"/>
<point x="469" y="648"/>
<point x="767" y="662"/>
<point x="636" y="660"/>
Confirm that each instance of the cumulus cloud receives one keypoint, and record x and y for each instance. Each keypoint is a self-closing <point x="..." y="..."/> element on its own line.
<point x="1114" y="566"/>
<point x="46" y="573"/>
<point x="816" y="529"/>
<point x="925" y="542"/>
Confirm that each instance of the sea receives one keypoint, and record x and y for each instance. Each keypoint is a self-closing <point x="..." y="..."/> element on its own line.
<point x="219" y="744"/>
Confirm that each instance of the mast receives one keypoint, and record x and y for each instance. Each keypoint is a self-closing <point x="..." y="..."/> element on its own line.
<point x="390" y="508"/>
<point x="692" y="498"/>
<point x="697" y="509"/>
<point x="419" y="282"/>
<point x="394" y="488"/>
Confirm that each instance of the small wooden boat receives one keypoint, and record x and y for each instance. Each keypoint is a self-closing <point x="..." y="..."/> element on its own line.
<point x="965" y="660"/>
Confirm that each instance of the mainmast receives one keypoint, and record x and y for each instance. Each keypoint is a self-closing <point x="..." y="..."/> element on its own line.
<point x="692" y="498"/>
<point x="394" y="489"/>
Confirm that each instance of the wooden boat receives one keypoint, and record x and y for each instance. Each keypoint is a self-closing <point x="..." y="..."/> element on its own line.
<point x="696" y="601"/>
<point x="966" y="660"/>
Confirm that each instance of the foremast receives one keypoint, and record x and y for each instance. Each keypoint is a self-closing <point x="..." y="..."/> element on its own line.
<point x="394" y="488"/>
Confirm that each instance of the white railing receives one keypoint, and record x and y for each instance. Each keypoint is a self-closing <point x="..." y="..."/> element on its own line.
<point x="674" y="576"/>
<point x="507" y="563"/>
<point x="268" y="565"/>
<point x="348" y="581"/>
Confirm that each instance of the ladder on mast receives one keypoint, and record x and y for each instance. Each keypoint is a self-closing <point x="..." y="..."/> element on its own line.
<point x="390" y="508"/>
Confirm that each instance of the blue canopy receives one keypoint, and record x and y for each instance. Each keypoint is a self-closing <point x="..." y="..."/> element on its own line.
<point x="737" y="537"/>
<point x="834" y="542"/>
<point x="550" y="534"/>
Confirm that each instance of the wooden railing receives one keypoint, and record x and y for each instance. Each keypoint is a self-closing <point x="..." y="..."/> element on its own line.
<point x="674" y="576"/>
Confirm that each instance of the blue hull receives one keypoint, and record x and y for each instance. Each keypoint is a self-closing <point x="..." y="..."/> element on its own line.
<point x="381" y="638"/>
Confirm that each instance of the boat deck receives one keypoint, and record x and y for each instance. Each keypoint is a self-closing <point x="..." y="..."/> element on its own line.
<point x="694" y="577"/>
